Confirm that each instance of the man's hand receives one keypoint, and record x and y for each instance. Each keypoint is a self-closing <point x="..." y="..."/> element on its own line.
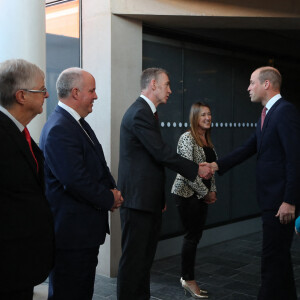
<point x="118" y="199"/>
<point x="205" y="171"/>
<point x="214" y="166"/>
<point x="210" y="198"/>
<point x="286" y="213"/>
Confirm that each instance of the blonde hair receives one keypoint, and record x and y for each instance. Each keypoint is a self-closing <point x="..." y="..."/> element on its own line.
<point x="194" y="120"/>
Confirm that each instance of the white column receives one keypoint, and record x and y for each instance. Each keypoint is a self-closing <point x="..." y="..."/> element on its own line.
<point x="112" y="52"/>
<point x="23" y="35"/>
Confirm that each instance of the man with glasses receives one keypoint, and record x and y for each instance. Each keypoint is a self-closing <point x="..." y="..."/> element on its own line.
<point x="26" y="226"/>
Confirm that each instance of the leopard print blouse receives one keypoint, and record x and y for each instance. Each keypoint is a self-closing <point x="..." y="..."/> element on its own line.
<point x="188" y="148"/>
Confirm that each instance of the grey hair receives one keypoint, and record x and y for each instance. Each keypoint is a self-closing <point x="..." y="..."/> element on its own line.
<point x="67" y="80"/>
<point x="17" y="74"/>
<point x="149" y="74"/>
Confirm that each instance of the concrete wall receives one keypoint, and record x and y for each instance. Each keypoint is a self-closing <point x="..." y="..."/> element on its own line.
<point x="22" y="35"/>
<point x="233" y="8"/>
<point x="112" y="52"/>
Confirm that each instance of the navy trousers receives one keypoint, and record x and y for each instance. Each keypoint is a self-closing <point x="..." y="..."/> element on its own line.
<point x="73" y="275"/>
<point x="277" y="278"/>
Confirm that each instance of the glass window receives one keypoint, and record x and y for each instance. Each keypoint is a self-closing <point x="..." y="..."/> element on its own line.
<point x="63" y="18"/>
<point x="62" y="43"/>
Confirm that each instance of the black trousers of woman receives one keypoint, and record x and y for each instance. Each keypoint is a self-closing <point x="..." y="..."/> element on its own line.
<point x="193" y="213"/>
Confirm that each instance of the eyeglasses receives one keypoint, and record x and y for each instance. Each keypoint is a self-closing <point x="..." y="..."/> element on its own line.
<point x="44" y="91"/>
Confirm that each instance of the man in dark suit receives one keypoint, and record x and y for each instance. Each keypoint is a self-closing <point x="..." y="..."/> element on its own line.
<point x="26" y="225"/>
<point x="277" y="145"/>
<point x="79" y="187"/>
<point x="143" y="156"/>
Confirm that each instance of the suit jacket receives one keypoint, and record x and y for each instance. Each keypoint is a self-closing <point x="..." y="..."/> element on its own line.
<point x="78" y="182"/>
<point x="143" y="156"/>
<point x="26" y="225"/>
<point x="278" y="161"/>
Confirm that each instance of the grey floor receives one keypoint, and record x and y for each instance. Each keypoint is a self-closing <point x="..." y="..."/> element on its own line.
<point x="228" y="270"/>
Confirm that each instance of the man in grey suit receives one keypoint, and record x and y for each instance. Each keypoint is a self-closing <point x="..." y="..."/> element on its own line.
<point x="143" y="156"/>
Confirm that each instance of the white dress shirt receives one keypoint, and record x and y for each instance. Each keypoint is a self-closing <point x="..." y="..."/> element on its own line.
<point x="150" y="103"/>
<point x="272" y="101"/>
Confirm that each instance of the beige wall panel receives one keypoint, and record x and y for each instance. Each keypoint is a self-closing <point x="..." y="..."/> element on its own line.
<point x="237" y="8"/>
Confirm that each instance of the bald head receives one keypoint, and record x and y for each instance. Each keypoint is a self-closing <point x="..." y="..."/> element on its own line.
<point x="271" y="74"/>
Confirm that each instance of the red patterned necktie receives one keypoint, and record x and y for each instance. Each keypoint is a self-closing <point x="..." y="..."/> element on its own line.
<point x="28" y="139"/>
<point x="156" y="115"/>
<point x="263" y="115"/>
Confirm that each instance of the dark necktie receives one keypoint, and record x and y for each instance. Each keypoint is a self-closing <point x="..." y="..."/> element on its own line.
<point x="28" y="139"/>
<point x="263" y="116"/>
<point x="156" y="115"/>
<point x="87" y="129"/>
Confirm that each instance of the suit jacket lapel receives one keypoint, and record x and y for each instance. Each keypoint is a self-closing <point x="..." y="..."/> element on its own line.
<point x="262" y="131"/>
<point x="20" y="142"/>
<point x="95" y="143"/>
<point x="149" y="111"/>
<point x="40" y="159"/>
<point x="96" y="146"/>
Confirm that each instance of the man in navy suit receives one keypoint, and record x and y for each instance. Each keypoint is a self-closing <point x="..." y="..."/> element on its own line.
<point x="143" y="156"/>
<point x="277" y="145"/>
<point x="79" y="187"/>
<point x="26" y="223"/>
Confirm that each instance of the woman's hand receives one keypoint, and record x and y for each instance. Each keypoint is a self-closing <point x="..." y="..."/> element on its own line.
<point x="210" y="198"/>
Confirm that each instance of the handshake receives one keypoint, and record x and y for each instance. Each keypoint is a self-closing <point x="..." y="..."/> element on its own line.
<point x="206" y="170"/>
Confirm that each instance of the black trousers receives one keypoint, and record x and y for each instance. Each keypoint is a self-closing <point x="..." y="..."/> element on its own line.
<point x="140" y="233"/>
<point x="193" y="213"/>
<point x="277" y="278"/>
<point x="73" y="275"/>
<point x="24" y="294"/>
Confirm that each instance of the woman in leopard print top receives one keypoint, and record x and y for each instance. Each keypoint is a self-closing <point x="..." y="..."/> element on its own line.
<point x="192" y="198"/>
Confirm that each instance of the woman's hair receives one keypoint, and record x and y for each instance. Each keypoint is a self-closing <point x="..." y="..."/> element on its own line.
<point x="194" y="120"/>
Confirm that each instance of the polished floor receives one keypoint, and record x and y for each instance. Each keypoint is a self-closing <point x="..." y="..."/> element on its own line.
<point x="228" y="270"/>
